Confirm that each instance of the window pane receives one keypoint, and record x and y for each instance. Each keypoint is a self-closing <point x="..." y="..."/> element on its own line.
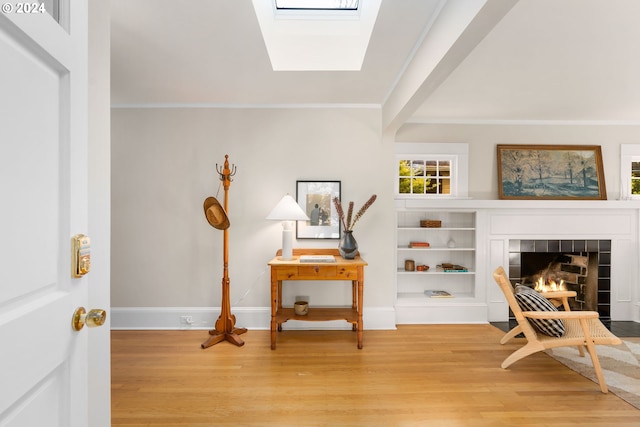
<point x="405" y="186"/>
<point x="418" y="186"/>
<point x="404" y="168"/>
<point x="445" y="168"/>
<point x="432" y="167"/>
<point x="635" y="169"/>
<point x="418" y="168"/>
<point x="446" y="186"/>
<point x="432" y="186"/>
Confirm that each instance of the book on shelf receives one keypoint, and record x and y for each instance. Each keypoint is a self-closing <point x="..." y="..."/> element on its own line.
<point x="438" y="294"/>
<point x="451" y="268"/>
<point x="317" y="258"/>
<point x="419" y="244"/>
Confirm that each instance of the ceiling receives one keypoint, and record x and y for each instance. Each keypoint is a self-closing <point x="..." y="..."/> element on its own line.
<point x="428" y="61"/>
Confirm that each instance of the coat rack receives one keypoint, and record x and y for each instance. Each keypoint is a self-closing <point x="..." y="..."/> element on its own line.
<point x="225" y="329"/>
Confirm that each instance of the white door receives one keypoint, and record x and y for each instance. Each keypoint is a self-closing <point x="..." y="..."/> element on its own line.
<point x="44" y="363"/>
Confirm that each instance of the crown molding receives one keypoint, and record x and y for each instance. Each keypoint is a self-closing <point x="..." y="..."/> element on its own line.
<point x="474" y="122"/>
<point x="160" y="105"/>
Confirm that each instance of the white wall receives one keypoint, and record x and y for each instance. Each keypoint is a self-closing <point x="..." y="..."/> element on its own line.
<point x="482" y="140"/>
<point x="166" y="258"/>
<point x="165" y="254"/>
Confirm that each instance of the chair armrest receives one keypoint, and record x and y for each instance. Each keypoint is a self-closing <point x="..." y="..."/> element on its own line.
<point x="561" y="314"/>
<point x="558" y="294"/>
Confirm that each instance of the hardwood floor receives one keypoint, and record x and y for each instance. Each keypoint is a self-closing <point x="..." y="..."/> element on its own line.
<point x="426" y="375"/>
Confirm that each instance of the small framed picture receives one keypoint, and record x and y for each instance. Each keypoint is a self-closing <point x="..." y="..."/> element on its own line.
<point x="548" y="172"/>
<point x="316" y="200"/>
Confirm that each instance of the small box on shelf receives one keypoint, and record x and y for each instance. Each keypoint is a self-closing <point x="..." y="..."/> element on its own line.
<point x="430" y="223"/>
<point x="416" y="244"/>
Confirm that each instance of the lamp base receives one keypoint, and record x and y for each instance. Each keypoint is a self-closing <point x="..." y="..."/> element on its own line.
<point x="287" y="236"/>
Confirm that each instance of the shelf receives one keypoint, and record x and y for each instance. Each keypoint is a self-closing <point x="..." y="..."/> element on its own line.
<point x="435" y="249"/>
<point x="319" y="314"/>
<point x="437" y="228"/>
<point x="430" y="273"/>
<point x="415" y="298"/>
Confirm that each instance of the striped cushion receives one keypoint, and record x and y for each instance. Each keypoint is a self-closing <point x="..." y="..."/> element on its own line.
<point x="530" y="300"/>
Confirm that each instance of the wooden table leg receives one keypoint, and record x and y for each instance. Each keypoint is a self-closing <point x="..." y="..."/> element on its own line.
<point x="274" y="308"/>
<point x="360" y="299"/>
<point x="354" y="301"/>
<point x="279" y="302"/>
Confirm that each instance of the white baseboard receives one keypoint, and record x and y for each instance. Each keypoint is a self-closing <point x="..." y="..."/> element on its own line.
<point x="463" y="313"/>
<point x="256" y="318"/>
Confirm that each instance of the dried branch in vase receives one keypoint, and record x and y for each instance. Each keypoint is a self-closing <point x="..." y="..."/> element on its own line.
<point x="348" y="224"/>
<point x="349" y="214"/>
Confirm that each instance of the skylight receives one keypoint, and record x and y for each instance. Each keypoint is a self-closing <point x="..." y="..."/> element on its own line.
<point x="332" y="36"/>
<point x="317" y="4"/>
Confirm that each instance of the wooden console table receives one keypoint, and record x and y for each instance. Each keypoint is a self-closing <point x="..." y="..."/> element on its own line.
<point x="343" y="269"/>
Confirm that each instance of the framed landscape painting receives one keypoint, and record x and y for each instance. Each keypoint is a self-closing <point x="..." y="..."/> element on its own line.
<point x="551" y="172"/>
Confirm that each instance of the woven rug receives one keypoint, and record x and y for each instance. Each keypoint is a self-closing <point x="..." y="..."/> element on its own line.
<point x="620" y="366"/>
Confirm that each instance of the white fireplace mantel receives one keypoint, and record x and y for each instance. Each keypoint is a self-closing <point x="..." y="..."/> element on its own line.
<point x="468" y="203"/>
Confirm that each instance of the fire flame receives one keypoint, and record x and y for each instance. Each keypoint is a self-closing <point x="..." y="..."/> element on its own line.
<point x="549" y="285"/>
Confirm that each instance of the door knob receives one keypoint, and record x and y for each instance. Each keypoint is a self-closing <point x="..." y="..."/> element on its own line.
<point x="95" y="317"/>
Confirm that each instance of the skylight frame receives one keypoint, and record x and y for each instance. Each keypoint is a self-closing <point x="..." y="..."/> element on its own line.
<point x="316" y="40"/>
<point x="316" y="5"/>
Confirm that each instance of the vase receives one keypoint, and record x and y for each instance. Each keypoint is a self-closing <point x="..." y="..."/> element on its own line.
<point x="348" y="247"/>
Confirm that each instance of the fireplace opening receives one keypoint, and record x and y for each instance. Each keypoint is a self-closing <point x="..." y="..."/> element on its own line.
<point x="575" y="271"/>
<point x="583" y="266"/>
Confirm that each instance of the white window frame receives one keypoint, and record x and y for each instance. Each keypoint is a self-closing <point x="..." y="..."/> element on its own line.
<point x="629" y="153"/>
<point x="456" y="153"/>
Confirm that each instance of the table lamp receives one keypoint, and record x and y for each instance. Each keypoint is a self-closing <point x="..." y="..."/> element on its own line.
<point x="287" y="211"/>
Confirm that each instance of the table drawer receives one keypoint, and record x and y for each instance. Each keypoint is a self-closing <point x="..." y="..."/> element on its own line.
<point x="286" y="273"/>
<point x="317" y="272"/>
<point x="348" y="273"/>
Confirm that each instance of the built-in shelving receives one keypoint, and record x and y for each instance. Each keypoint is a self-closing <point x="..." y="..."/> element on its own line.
<point x="453" y="242"/>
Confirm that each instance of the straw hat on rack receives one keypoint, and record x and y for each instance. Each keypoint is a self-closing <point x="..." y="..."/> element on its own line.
<point x="215" y="213"/>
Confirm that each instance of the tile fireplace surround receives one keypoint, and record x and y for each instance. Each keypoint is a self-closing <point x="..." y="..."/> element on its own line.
<point x="597" y="284"/>
<point x="499" y="221"/>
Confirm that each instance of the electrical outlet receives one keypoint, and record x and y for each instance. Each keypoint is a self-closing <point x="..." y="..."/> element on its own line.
<point x="187" y="320"/>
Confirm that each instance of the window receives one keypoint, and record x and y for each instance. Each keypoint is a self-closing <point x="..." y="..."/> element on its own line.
<point x="630" y="171"/>
<point x="431" y="170"/>
<point x="635" y="178"/>
<point x="317" y="4"/>
<point x="424" y="176"/>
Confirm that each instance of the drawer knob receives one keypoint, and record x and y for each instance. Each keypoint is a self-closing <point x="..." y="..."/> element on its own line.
<point x="317" y="269"/>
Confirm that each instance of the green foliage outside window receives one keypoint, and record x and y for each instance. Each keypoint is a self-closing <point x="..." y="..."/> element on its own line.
<point x="635" y="177"/>
<point x="424" y="177"/>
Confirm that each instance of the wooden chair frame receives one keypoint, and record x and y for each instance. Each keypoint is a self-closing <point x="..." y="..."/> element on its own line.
<point x="583" y="329"/>
<point x="557" y="298"/>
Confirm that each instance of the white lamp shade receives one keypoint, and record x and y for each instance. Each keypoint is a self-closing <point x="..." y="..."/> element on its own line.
<point x="287" y="209"/>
